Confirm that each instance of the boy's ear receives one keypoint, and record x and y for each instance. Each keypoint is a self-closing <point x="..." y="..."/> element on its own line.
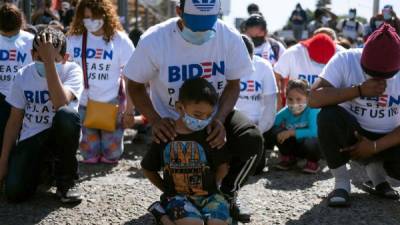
<point x="65" y="58"/>
<point x="179" y="108"/>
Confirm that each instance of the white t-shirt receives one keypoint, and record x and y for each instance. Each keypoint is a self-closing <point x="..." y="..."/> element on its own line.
<point x="30" y="93"/>
<point x="104" y="63"/>
<point x="295" y="63"/>
<point x="378" y="114"/>
<point x="254" y="87"/>
<point x="13" y="56"/>
<point x="351" y="29"/>
<point x="265" y="51"/>
<point x="165" y="60"/>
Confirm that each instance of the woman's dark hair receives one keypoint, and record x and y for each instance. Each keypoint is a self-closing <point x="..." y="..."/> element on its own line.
<point x="198" y="90"/>
<point x="249" y="44"/>
<point x="59" y="40"/>
<point x="11" y="18"/>
<point x="300" y="85"/>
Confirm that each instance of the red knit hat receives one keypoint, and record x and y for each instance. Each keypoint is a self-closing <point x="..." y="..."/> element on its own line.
<point x="321" y="48"/>
<point x="381" y="54"/>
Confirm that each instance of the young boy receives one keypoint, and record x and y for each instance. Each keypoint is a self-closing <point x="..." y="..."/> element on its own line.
<point x="193" y="171"/>
<point x="44" y="121"/>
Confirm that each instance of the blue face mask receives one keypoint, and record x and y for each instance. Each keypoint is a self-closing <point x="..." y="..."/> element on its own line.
<point x="195" y="124"/>
<point x="197" y="38"/>
<point x="42" y="70"/>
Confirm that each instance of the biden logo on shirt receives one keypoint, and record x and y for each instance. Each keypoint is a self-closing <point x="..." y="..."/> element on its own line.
<point x="204" y="5"/>
<point x="204" y="70"/>
<point x="12" y="55"/>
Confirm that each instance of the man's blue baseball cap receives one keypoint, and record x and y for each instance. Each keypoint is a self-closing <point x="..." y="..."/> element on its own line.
<point x="201" y="15"/>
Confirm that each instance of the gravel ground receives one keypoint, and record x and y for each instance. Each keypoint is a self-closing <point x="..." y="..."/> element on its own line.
<point x="120" y="195"/>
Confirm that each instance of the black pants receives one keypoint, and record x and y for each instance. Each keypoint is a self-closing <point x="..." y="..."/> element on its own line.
<point x="245" y="144"/>
<point x="30" y="157"/>
<point x="336" y="129"/>
<point x="307" y="148"/>
<point x="4" y="114"/>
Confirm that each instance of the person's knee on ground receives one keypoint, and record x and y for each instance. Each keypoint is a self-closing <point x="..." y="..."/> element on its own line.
<point x="66" y="123"/>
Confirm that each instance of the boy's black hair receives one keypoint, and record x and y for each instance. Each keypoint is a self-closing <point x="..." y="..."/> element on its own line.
<point x="59" y="40"/>
<point x="249" y="44"/>
<point x="256" y="20"/>
<point x="11" y="18"/>
<point x="198" y="90"/>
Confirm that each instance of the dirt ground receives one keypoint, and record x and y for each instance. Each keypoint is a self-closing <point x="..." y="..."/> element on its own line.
<point x="120" y="195"/>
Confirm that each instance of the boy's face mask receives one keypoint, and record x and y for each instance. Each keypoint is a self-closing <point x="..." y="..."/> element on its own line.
<point x="196" y="124"/>
<point x="41" y="70"/>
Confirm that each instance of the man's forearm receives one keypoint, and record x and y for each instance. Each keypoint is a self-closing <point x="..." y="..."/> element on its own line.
<point x="228" y="100"/>
<point x="59" y="97"/>
<point x="10" y="137"/>
<point x="327" y="96"/>
<point x="388" y="141"/>
<point x="141" y="101"/>
<point x="221" y="173"/>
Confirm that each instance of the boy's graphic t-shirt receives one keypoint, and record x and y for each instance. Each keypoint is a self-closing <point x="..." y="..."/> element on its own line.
<point x="165" y="60"/>
<point x="30" y="93"/>
<point x="305" y="124"/>
<point x="375" y="114"/>
<point x="188" y="163"/>
<point x="254" y="87"/>
<point x="14" y="54"/>
<point x="104" y="64"/>
<point x="296" y="63"/>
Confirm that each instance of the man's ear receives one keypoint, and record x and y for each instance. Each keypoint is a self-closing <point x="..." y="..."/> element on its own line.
<point x="178" y="11"/>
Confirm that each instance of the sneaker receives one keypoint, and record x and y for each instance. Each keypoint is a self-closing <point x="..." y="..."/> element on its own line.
<point x="108" y="161"/>
<point x="311" y="167"/>
<point x="286" y="162"/>
<point x="157" y="211"/>
<point x="69" y="194"/>
<point x="238" y="211"/>
<point x="93" y="160"/>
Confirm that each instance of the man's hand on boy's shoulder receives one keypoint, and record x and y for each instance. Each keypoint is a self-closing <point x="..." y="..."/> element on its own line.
<point x="216" y="134"/>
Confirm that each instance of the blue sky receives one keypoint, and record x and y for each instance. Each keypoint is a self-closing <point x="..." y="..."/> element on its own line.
<point x="278" y="11"/>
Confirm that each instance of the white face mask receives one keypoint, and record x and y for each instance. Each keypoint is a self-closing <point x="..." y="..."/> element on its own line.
<point x="297" y="109"/>
<point x="93" y="25"/>
<point x="352" y="15"/>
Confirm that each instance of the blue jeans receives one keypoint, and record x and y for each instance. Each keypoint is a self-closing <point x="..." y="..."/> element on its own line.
<point x="30" y="158"/>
